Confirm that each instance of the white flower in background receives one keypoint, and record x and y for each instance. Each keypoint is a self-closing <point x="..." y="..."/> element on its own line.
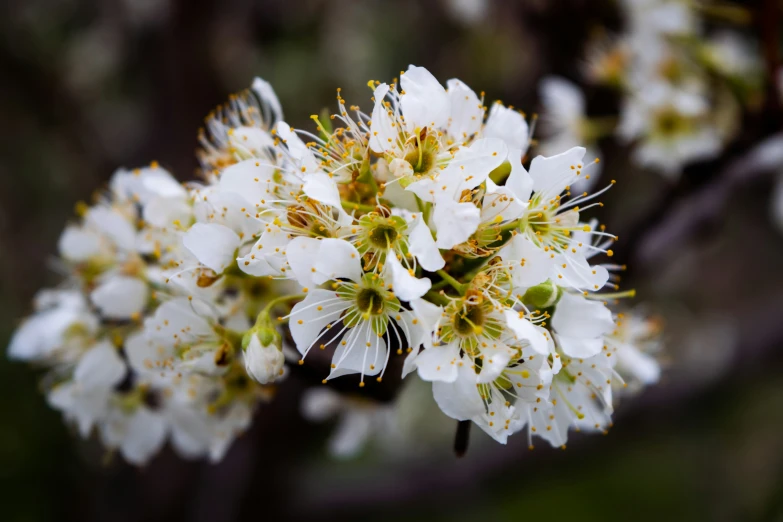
<point x="85" y="398"/>
<point x="580" y="325"/>
<point x="240" y="129"/>
<point x="359" y="420"/>
<point x="60" y="328"/>
<point x="565" y="124"/>
<point x="670" y="127"/>
<point x="734" y="56"/>
<point x="138" y="433"/>
<point x="468" y="12"/>
<point x="636" y="342"/>
<point x="607" y="60"/>
<point x="185" y="334"/>
<point x="651" y="19"/>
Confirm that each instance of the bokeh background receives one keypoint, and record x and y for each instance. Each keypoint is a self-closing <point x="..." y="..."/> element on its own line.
<point x="86" y="87"/>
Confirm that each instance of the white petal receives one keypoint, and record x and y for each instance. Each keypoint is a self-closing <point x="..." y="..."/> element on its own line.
<point x="251" y="179"/>
<point x="576" y="316"/>
<point x="459" y="399"/>
<point x="351" y="434"/>
<point x="355" y="356"/>
<point x="439" y="363"/>
<point x="302" y="254"/>
<point x="143" y="353"/>
<point x="213" y="245"/>
<point x="563" y="101"/>
<point x="425" y="101"/>
<point x="229" y="209"/>
<point x="383" y="136"/>
<point x="525" y="330"/>
<point x="318" y="404"/>
<point x="406" y="286"/>
<point x="114" y="225"/>
<point x="427" y="313"/>
<point x="307" y="321"/>
<point x="496" y="357"/>
<point x="582" y="347"/>
<point x="529" y="264"/>
<point x="263" y="363"/>
<point x="120" y="297"/>
<point x="501" y="201"/>
<point x="509" y="126"/>
<point x="78" y="244"/>
<point x="180" y="320"/>
<point x="268" y="98"/>
<point x="455" y="222"/>
<point x="467" y="112"/>
<point x="162" y="184"/>
<point x="250" y="142"/>
<point x="553" y="174"/>
<point x="519" y="181"/>
<point x="321" y="187"/>
<point x="163" y="211"/>
<point x="146" y="433"/>
<point x="297" y="148"/>
<point x="578" y="273"/>
<point x="101" y="367"/>
<point x="268" y="256"/>
<point x="337" y="259"/>
<point x="471" y="166"/>
<point x="422" y="245"/>
<point x="641" y="365"/>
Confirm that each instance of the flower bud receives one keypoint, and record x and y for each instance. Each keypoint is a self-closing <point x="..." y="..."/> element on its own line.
<point x="541" y="296"/>
<point x="263" y="355"/>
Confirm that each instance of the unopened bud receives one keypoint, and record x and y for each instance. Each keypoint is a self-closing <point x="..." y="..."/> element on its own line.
<point x="543" y="295"/>
<point x="263" y="354"/>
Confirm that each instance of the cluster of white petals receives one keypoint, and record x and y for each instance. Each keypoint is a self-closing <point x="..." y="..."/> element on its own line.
<point x="416" y="239"/>
<point x="680" y="86"/>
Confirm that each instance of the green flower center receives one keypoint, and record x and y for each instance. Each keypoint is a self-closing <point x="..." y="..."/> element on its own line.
<point x="470" y="322"/>
<point x="383" y="236"/>
<point x="421" y="160"/>
<point x="370" y="301"/>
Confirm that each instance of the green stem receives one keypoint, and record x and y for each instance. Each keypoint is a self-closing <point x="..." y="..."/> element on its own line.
<point x="439" y="285"/>
<point x="725" y="11"/>
<point x="357" y="206"/>
<point x="436" y="298"/>
<point x="424" y="208"/>
<point x="615" y="295"/>
<point x="274" y="302"/>
<point x="233" y="337"/>
<point x="459" y="287"/>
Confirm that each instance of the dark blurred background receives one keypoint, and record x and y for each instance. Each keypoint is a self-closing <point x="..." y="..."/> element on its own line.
<point x="86" y="87"/>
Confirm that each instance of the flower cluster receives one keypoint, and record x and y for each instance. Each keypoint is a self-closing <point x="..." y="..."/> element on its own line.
<point x="414" y="233"/>
<point x="681" y="86"/>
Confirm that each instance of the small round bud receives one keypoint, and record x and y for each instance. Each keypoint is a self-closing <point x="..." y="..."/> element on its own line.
<point x="543" y="295"/>
<point x="263" y="355"/>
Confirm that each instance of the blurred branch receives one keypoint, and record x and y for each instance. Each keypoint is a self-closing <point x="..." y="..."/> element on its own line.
<point x="703" y="208"/>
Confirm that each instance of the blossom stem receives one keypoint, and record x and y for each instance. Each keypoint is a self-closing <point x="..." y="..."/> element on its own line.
<point x="424" y="208"/>
<point x="357" y="206"/>
<point x="437" y="298"/>
<point x="725" y="11"/>
<point x="459" y="287"/>
<point x="462" y="438"/>
<point x="271" y="304"/>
